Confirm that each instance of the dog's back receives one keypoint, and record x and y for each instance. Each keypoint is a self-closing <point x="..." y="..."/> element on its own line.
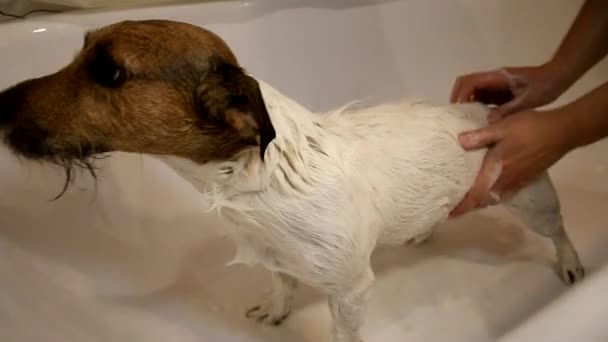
<point x="409" y="157"/>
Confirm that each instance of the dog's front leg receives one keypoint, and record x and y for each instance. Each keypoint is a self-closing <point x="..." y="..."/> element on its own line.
<point x="348" y="306"/>
<point x="275" y="308"/>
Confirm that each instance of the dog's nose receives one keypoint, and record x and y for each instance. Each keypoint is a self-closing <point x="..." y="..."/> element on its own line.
<point x="6" y="114"/>
<point x="10" y="102"/>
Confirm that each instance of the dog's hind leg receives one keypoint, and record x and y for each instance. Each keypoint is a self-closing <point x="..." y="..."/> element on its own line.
<point x="348" y="304"/>
<point x="538" y="206"/>
<point x="277" y="305"/>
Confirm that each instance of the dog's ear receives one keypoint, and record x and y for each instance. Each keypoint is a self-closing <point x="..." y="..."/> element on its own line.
<point x="230" y="97"/>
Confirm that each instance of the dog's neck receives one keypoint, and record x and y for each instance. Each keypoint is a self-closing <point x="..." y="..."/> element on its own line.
<point x="300" y="137"/>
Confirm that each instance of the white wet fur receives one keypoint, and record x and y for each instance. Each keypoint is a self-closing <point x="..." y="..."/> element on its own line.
<point x="334" y="185"/>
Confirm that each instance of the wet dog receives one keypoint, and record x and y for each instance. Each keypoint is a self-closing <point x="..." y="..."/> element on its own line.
<point x="310" y="195"/>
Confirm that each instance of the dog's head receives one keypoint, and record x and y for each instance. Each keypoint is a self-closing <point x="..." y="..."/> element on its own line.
<point x="154" y="87"/>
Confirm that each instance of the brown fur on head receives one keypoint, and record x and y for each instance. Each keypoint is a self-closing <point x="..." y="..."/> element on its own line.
<point x="155" y="87"/>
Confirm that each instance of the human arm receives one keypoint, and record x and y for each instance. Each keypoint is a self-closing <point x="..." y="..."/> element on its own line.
<point x="585" y="44"/>
<point x="515" y="89"/>
<point x="527" y="144"/>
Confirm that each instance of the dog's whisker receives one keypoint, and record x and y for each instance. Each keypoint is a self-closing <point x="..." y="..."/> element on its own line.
<point x="70" y="163"/>
<point x="66" y="184"/>
<point x="100" y="156"/>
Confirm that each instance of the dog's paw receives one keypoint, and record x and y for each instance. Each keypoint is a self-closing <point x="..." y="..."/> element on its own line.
<point x="572" y="274"/>
<point x="268" y="313"/>
<point x="570" y="269"/>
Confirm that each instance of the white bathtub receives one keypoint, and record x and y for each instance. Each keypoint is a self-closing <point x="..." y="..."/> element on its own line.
<point x="136" y="259"/>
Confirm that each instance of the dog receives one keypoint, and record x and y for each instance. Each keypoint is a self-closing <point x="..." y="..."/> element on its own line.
<point x="310" y="195"/>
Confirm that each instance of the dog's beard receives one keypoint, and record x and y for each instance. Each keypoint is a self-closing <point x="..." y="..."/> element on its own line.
<point x="33" y="144"/>
<point x="71" y="165"/>
<point x="74" y="159"/>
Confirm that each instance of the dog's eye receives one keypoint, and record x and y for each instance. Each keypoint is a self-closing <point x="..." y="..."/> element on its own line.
<point x="108" y="74"/>
<point x="117" y="75"/>
<point x="105" y="71"/>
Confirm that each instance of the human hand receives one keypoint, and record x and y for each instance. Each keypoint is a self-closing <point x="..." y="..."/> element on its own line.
<point x="524" y="146"/>
<point x="511" y="89"/>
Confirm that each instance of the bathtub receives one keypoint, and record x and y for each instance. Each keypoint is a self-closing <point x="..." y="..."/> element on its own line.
<point x="134" y="257"/>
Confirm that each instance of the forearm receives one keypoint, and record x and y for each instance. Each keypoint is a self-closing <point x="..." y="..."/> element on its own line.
<point x="585" y="44"/>
<point x="585" y="120"/>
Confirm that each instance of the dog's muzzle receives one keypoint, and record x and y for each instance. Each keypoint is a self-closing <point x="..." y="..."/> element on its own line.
<point x="7" y="112"/>
<point x="30" y="142"/>
<point x="13" y="102"/>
